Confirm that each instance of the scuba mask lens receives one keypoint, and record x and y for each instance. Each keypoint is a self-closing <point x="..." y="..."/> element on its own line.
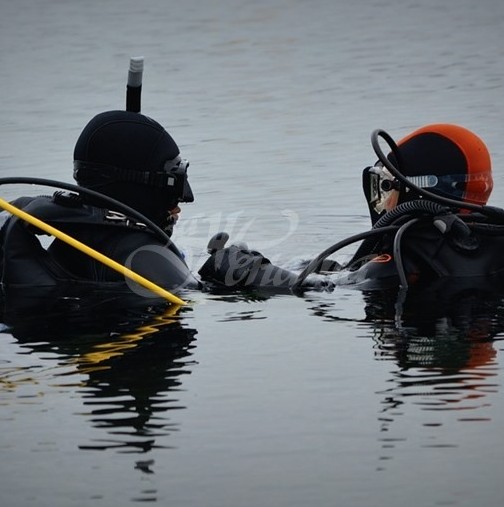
<point x="383" y="188"/>
<point x="179" y="182"/>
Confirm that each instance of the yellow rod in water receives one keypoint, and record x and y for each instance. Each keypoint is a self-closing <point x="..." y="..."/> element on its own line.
<point x="91" y="252"/>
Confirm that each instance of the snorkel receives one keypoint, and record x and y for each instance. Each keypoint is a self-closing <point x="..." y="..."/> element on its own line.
<point x="134" y="85"/>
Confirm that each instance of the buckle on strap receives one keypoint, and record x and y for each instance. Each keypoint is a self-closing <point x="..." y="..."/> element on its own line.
<point x="120" y="218"/>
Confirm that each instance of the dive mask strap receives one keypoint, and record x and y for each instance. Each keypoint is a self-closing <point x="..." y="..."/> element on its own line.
<point x="91" y="171"/>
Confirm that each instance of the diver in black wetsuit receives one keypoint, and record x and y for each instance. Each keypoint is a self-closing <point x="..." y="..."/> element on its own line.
<point x="131" y="180"/>
<point x="132" y="159"/>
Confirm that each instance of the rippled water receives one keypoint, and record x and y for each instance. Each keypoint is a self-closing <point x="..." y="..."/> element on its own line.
<point x="244" y="400"/>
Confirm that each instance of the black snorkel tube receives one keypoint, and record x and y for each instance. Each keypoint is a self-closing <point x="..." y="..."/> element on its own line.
<point x="134" y="85"/>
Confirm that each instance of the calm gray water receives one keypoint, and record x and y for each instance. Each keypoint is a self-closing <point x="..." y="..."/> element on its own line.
<point x="322" y="400"/>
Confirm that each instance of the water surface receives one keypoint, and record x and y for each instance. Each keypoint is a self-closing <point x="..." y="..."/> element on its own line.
<point x="244" y="400"/>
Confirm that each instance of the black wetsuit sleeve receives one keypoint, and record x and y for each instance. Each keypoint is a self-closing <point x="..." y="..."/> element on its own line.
<point x="160" y="264"/>
<point x="139" y="251"/>
<point x="235" y="267"/>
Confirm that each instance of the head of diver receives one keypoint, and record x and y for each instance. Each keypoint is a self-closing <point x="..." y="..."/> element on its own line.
<point x="442" y="161"/>
<point x="132" y="158"/>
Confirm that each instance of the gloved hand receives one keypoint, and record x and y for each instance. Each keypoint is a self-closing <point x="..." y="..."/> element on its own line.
<point x="237" y="266"/>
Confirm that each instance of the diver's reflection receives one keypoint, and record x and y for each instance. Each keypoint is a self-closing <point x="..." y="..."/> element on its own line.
<point x="441" y="343"/>
<point x="444" y="349"/>
<point x="445" y="331"/>
<point x="132" y="361"/>
<point x="133" y="380"/>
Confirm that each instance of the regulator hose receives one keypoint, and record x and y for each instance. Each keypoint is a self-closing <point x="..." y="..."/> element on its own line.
<point x="116" y="205"/>
<point x="315" y="263"/>
<point x="401" y="213"/>
<point x="401" y="272"/>
<point x="415" y="208"/>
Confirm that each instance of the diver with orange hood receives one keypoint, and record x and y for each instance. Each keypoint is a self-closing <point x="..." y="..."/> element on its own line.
<point x="428" y="206"/>
<point x="433" y="186"/>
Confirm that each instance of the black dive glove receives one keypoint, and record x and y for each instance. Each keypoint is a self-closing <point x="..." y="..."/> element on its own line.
<point x="237" y="266"/>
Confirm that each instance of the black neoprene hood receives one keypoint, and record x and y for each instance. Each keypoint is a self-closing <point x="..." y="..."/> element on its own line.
<point x="126" y="140"/>
<point x="132" y="158"/>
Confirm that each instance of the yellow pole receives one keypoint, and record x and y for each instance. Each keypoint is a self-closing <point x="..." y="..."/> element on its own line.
<point x="91" y="252"/>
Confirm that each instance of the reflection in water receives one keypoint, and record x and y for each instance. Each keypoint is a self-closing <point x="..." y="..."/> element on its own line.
<point x="132" y="380"/>
<point x="442" y="344"/>
<point x="444" y="347"/>
<point x="131" y="359"/>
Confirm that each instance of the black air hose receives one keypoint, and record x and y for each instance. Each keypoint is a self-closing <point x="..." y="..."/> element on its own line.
<point x="416" y="208"/>
<point x="113" y="203"/>
<point x="403" y="212"/>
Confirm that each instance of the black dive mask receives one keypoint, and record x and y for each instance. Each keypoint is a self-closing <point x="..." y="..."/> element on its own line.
<point x="172" y="179"/>
<point x="176" y="170"/>
<point x="383" y="191"/>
